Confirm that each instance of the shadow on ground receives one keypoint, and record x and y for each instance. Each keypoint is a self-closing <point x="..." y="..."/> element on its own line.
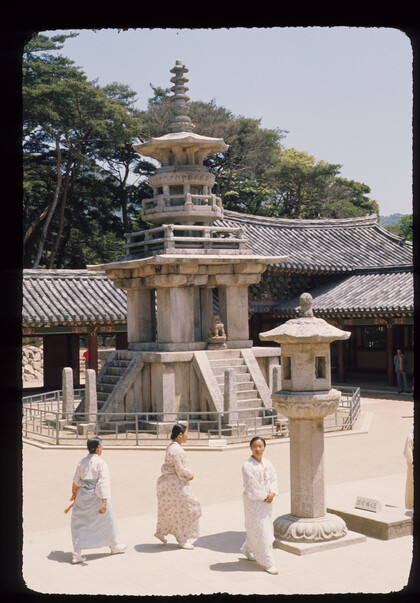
<point x="158" y="547"/>
<point x="66" y="557"/>
<point x="242" y="565"/>
<point x="226" y="542"/>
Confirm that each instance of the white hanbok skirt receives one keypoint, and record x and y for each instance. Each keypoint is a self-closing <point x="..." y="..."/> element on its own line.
<point x="90" y="529"/>
<point x="259" y="531"/>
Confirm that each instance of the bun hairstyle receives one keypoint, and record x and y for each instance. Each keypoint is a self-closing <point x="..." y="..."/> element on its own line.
<point x="177" y="429"/>
<point x="254" y="439"/>
<point x="93" y="443"/>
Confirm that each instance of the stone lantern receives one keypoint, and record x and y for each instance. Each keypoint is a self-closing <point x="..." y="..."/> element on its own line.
<point x="306" y="397"/>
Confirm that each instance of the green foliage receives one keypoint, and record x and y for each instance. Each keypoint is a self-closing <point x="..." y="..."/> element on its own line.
<point x="403" y="228"/>
<point x="305" y="188"/>
<point x="75" y="132"/>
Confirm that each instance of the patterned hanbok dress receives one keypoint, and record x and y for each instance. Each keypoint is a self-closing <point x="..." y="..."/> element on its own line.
<point x="178" y="508"/>
<point x="259" y="479"/>
<point x="90" y="529"/>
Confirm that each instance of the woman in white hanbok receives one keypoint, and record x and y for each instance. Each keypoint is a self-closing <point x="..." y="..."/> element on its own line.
<point x="260" y="487"/>
<point x="178" y="508"/>
<point x="93" y="523"/>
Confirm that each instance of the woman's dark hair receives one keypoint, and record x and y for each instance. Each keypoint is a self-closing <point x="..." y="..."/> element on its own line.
<point x="255" y="438"/>
<point x="93" y="443"/>
<point x="177" y="429"/>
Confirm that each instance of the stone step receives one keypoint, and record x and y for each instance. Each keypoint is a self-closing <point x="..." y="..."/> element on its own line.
<point x="247" y="394"/>
<point x="121" y="363"/>
<point x="237" y="369"/>
<point x="111" y="379"/>
<point x="249" y="403"/>
<point x="221" y="354"/>
<point x="105" y="387"/>
<point x="115" y="370"/>
<point x="227" y="363"/>
<point x="241" y="378"/>
<point x="69" y="427"/>
<point x="125" y="355"/>
<point x="240" y="386"/>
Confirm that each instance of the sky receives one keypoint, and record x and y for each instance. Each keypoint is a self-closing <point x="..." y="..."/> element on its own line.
<point x="343" y="94"/>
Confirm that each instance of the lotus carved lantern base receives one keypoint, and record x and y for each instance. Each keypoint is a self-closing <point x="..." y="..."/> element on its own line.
<point x="309" y="529"/>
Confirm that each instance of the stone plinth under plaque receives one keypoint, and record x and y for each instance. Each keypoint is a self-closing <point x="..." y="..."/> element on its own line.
<point x="385" y="524"/>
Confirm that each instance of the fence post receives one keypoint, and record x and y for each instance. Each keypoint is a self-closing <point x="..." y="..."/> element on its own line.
<point x="68" y="393"/>
<point x="137" y="428"/>
<point x="57" y="428"/>
<point x="275" y="378"/>
<point x="230" y="397"/>
<point x="91" y="400"/>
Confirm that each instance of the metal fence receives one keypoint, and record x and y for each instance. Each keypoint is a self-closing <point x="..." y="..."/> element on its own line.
<point x="44" y="421"/>
<point x="347" y="411"/>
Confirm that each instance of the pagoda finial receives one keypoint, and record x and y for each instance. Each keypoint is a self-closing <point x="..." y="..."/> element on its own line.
<point x="180" y="121"/>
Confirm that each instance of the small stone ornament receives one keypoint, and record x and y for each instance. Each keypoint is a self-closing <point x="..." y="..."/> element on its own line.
<point x="217" y="335"/>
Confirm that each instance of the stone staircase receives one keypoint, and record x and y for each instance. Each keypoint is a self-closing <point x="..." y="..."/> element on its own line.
<point x="248" y="396"/>
<point x="113" y="381"/>
<point x="111" y="374"/>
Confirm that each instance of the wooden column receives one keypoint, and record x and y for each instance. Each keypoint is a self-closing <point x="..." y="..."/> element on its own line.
<point x="341" y="367"/>
<point x="390" y="355"/>
<point x="93" y="352"/>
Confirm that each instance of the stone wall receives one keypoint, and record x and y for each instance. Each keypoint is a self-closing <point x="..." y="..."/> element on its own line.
<point x="32" y="363"/>
<point x="33" y="359"/>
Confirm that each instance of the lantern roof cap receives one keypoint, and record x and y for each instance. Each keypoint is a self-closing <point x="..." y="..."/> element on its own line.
<point x="306" y="328"/>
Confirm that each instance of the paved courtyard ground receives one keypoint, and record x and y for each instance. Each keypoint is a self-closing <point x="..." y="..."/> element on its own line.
<point x="368" y="462"/>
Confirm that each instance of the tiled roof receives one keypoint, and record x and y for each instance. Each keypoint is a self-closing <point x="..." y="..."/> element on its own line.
<point x="371" y="291"/>
<point x="71" y="295"/>
<point x="380" y="260"/>
<point x="331" y="245"/>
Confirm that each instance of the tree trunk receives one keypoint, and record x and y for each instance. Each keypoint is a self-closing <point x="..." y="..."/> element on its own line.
<point x="67" y="186"/>
<point x="34" y="224"/>
<point x="62" y="247"/>
<point x="53" y="204"/>
<point x="124" y="197"/>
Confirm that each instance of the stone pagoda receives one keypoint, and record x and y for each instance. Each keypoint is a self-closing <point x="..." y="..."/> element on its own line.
<point x="187" y="285"/>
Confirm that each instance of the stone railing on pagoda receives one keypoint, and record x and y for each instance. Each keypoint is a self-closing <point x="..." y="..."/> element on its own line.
<point x="186" y="239"/>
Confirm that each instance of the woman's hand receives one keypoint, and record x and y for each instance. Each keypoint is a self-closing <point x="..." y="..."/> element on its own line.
<point x="269" y="497"/>
<point x="103" y="507"/>
<point x="74" y="490"/>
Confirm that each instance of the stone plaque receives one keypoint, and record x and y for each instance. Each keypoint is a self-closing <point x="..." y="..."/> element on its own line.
<point x="368" y="504"/>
